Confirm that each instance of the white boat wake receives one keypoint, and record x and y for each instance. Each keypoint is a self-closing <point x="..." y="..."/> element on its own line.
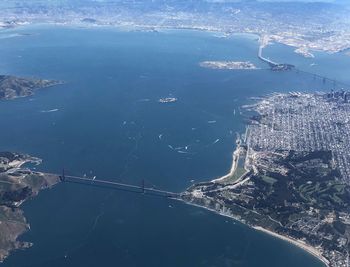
<point x="49" y="111"/>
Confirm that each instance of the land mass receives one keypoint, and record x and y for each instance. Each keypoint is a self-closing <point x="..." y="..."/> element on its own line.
<point x="229" y="65"/>
<point x="305" y="25"/>
<point x="17" y="184"/>
<point x="13" y="87"/>
<point x="290" y="175"/>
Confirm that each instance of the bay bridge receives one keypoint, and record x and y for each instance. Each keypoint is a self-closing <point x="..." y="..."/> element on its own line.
<point x="141" y="189"/>
<point x="266" y="60"/>
<point x="275" y="66"/>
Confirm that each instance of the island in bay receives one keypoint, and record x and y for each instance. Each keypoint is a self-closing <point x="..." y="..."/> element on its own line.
<point x="291" y="174"/>
<point x="18" y="184"/>
<point x="229" y="65"/>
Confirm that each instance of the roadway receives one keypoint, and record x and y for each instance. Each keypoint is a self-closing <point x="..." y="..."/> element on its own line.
<point x="120" y="186"/>
<point x="323" y="78"/>
<point x="260" y="56"/>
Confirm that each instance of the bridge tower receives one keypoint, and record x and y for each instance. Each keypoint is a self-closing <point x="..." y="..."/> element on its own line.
<point x="63" y="176"/>
<point x="143" y="186"/>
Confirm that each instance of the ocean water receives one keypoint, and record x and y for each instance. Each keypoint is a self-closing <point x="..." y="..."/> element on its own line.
<point x="106" y="121"/>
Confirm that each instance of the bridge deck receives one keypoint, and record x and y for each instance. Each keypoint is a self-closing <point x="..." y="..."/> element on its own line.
<point x="270" y="62"/>
<point x="122" y="186"/>
<point x="324" y="78"/>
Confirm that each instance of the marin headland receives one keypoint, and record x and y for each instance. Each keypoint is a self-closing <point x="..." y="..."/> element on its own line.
<point x="13" y="87"/>
<point x="18" y="184"/>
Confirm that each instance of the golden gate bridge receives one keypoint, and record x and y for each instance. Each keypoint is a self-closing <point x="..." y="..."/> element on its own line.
<point x="142" y="189"/>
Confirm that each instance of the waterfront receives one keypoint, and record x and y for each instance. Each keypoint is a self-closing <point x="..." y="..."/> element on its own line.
<point x="107" y="121"/>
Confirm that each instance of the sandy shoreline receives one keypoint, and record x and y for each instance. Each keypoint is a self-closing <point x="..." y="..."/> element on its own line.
<point x="235" y="158"/>
<point x="309" y="249"/>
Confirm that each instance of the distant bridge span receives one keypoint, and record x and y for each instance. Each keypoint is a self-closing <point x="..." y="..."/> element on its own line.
<point x="268" y="61"/>
<point x="273" y="65"/>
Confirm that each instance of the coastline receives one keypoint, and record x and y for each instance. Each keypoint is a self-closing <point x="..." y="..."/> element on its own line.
<point x="167" y="28"/>
<point x="235" y="157"/>
<point x="25" y="184"/>
<point x="309" y="249"/>
<point x="16" y="228"/>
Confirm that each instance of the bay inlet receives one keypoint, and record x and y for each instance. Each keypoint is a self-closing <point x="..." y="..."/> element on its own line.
<point x="98" y="124"/>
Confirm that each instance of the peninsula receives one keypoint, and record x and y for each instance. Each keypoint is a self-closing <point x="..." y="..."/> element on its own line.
<point x="17" y="184"/>
<point x="13" y="87"/>
<point x="291" y="174"/>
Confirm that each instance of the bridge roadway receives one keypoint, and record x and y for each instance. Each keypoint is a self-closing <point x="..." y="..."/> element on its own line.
<point x="268" y="61"/>
<point x="324" y="78"/>
<point x="120" y="186"/>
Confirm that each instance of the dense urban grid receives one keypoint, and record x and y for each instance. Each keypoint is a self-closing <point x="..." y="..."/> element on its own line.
<point x="305" y="122"/>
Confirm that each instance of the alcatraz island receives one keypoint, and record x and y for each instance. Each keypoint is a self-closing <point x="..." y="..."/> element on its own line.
<point x="291" y="174"/>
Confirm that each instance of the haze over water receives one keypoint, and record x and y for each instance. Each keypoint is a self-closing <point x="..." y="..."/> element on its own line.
<point x="106" y="121"/>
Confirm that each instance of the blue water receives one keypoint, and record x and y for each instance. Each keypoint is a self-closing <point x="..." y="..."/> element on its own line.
<point x="109" y="124"/>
